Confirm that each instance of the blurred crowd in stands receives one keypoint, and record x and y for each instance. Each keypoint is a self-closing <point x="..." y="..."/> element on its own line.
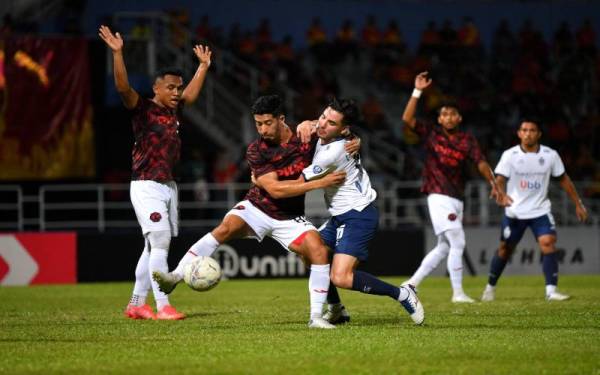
<point x="519" y="74"/>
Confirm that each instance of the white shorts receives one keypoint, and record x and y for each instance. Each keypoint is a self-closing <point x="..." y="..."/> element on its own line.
<point x="445" y="212"/>
<point x="155" y="205"/>
<point x="282" y="231"/>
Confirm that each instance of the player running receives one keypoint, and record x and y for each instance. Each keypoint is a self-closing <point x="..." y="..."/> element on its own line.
<point x="448" y="148"/>
<point x="278" y="155"/>
<point x="155" y="152"/>
<point x="528" y="168"/>
<point x="354" y="215"/>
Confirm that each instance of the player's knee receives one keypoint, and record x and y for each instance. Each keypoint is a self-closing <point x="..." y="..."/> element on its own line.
<point x="159" y="239"/>
<point x="456" y="238"/>
<point x="547" y="245"/>
<point x="318" y="254"/>
<point x="341" y="278"/>
<point x="222" y="232"/>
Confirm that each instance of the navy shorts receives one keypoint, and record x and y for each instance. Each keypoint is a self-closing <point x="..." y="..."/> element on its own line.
<point x="350" y="232"/>
<point x="513" y="229"/>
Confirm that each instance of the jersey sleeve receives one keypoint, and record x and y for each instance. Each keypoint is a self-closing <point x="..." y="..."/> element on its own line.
<point x="558" y="168"/>
<point x="475" y="153"/>
<point x="258" y="165"/>
<point x="503" y="166"/>
<point x="324" y="162"/>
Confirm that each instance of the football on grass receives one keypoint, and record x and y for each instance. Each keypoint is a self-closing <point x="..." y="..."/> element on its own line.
<point x="202" y="274"/>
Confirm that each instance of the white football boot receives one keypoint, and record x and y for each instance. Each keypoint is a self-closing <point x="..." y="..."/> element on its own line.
<point x="461" y="297"/>
<point x="166" y="281"/>
<point x="556" y="296"/>
<point x="489" y="294"/>
<point x="413" y="306"/>
<point x="320" y="323"/>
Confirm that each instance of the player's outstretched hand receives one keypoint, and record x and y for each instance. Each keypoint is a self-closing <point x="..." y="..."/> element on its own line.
<point x="502" y="199"/>
<point x="113" y="41"/>
<point x="352" y="147"/>
<point x="581" y="212"/>
<point x="203" y="53"/>
<point x="422" y="81"/>
<point x="334" y="179"/>
<point x="305" y="130"/>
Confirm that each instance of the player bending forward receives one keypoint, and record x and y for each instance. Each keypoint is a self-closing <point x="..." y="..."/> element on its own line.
<point x="448" y="148"/>
<point x="528" y="167"/>
<point x="278" y="155"/>
<point x="354" y="215"/>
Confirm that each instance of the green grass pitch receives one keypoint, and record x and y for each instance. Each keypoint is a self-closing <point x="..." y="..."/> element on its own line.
<point x="259" y="327"/>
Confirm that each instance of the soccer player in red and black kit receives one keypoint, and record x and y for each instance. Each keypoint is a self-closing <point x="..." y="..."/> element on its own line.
<point x="448" y="148"/>
<point x="278" y="155"/>
<point x="155" y="152"/>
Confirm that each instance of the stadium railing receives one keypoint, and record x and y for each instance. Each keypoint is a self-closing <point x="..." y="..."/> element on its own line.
<point x="104" y="207"/>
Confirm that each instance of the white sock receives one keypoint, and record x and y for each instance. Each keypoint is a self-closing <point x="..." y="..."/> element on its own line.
<point x="455" y="269"/>
<point x="205" y="246"/>
<point x="403" y="294"/>
<point x="318" y="285"/>
<point x="158" y="262"/>
<point x="550" y="289"/>
<point x="142" y="280"/>
<point x="489" y="287"/>
<point x="429" y="263"/>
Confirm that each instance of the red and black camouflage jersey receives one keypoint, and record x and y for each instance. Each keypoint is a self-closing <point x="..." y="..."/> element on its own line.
<point x="288" y="160"/>
<point x="445" y="168"/>
<point x="157" y="144"/>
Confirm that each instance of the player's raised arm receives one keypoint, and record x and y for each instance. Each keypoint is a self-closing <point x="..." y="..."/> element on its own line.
<point x="567" y="185"/>
<point x="421" y="83"/>
<point x="115" y="43"/>
<point x="291" y="188"/>
<point x="192" y="90"/>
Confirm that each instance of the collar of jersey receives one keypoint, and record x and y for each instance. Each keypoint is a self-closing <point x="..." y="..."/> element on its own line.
<point x="527" y="152"/>
<point x="335" y="140"/>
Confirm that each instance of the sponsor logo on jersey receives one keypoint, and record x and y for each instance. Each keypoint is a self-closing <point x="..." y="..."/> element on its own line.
<point x="530" y="185"/>
<point x="155" y="217"/>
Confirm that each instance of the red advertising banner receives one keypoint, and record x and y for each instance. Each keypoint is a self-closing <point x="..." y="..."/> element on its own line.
<point x="38" y="258"/>
<point x="45" y="109"/>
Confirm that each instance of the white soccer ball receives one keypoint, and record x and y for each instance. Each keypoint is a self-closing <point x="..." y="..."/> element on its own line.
<point x="202" y="274"/>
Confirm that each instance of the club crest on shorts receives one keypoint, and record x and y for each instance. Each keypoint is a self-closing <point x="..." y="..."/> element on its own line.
<point x="452" y="217"/>
<point x="239" y="207"/>
<point x="155" y="217"/>
<point x="317" y="169"/>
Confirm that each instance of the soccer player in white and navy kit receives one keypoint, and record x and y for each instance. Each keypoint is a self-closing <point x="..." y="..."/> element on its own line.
<point x="528" y="168"/>
<point x="354" y="215"/>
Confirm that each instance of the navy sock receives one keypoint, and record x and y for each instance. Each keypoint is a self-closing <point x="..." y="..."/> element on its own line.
<point x="496" y="268"/>
<point x="550" y="267"/>
<point x="367" y="283"/>
<point x="332" y="295"/>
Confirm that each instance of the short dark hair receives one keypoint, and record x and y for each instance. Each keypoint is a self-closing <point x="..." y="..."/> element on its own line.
<point x="448" y="104"/>
<point x="268" y="104"/>
<point x="161" y="73"/>
<point x="532" y="120"/>
<point x="346" y="107"/>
